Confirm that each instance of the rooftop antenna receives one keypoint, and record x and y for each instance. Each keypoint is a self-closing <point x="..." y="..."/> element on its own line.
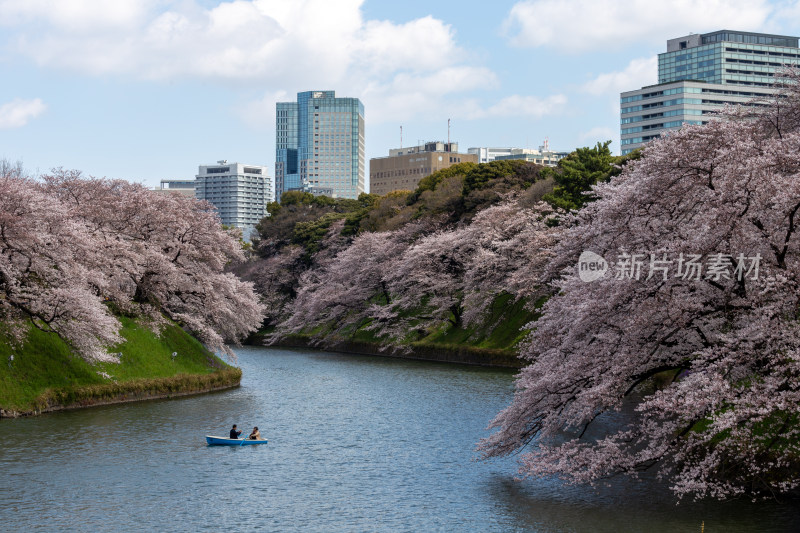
<point x="448" y="133"/>
<point x="401" y="136"/>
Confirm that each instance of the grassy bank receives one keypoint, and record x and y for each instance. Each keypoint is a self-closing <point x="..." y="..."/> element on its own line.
<point x="501" y="329"/>
<point x="442" y="353"/>
<point x="43" y="374"/>
<point x="493" y="342"/>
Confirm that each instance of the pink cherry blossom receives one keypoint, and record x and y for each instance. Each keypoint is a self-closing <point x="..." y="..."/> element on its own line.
<point x="725" y="421"/>
<point x="70" y="247"/>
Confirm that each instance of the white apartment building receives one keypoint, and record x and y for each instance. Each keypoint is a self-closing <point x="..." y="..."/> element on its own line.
<point x="239" y="193"/>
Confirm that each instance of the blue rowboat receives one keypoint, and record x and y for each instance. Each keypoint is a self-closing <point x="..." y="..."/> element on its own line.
<point x="223" y="441"/>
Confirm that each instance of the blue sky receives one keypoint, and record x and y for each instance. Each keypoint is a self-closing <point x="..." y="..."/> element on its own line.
<point x="146" y="90"/>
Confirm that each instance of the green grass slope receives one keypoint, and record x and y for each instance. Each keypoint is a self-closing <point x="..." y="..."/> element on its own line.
<point x="501" y="329"/>
<point x="492" y="342"/>
<point x="44" y="374"/>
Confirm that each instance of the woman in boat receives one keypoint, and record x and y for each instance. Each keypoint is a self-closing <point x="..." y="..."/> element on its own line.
<point x="256" y="434"/>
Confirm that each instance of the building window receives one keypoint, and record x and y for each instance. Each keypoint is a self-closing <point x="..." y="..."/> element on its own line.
<point x="218" y="170"/>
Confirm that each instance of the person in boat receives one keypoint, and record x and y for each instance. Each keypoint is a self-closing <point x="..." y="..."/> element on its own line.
<point x="235" y="432"/>
<point x="256" y="434"/>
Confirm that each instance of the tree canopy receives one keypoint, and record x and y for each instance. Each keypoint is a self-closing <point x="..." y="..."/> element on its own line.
<point x="577" y="173"/>
<point x="301" y="218"/>
<point x="701" y="290"/>
<point x="300" y="241"/>
<point x="74" y="252"/>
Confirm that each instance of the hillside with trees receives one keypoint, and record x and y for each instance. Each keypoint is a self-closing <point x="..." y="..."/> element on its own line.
<point x="81" y="256"/>
<point x="439" y="266"/>
<point x="453" y="264"/>
<point x="689" y="327"/>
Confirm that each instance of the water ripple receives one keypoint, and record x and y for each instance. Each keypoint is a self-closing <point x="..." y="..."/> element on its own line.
<point x="356" y="444"/>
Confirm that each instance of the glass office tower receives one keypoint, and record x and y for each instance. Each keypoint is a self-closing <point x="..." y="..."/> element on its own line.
<point x="697" y="75"/>
<point x="737" y="58"/>
<point x="319" y="145"/>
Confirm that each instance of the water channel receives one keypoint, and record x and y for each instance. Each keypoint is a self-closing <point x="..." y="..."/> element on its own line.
<point x="357" y="443"/>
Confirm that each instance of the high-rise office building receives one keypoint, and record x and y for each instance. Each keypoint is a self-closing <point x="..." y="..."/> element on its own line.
<point x="697" y="75"/>
<point x="239" y="193"/>
<point x="319" y="145"/>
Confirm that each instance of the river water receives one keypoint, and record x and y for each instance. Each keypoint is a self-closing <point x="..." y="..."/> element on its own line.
<point x="356" y="443"/>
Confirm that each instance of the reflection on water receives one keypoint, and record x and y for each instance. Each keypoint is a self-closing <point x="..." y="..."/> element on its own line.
<point x="356" y="444"/>
<point x="626" y="505"/>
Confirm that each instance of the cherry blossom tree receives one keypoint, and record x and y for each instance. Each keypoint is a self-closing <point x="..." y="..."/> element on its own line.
<point x="70" y="247"/>
<point x="43" y="280"/>
<point x="275" y="279"/>
<point x="162" y="253"/>
<point x="453" y="275"/>
<point x="427" y="280"/>
<point x="513" y="246"/>
<point x="702" y="293"/>
<point x="349" y="290"/>
<point x="412" y="280"/>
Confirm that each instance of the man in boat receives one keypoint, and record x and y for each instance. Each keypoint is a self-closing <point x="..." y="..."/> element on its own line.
<point x="235" y="433"/>
<point x="256" y="434"/>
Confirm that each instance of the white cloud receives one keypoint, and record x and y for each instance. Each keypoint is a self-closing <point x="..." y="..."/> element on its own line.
<point x="18" y="112"/>
<point x="581" y="25"/>
<point x="438" y="95"/>
<point x="253" y="40"/>
<point x="638" y="73"/>
<point x="399" y="70"/>
<point x="382" y="45"/>
<point x="407" y="94"/>
<point x="525" y="106"/>
<point x="75" y="15"/>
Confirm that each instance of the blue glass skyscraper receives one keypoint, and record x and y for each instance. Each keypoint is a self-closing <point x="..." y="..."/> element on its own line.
<point x="727" y="57"/>
<point x="698" y="75"/>
<point x="319" y="145"/>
